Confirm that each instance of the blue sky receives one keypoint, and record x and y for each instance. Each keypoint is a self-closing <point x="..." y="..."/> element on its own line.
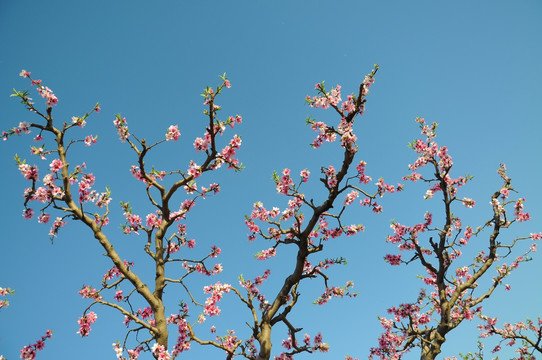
<point x="473" y="67"/>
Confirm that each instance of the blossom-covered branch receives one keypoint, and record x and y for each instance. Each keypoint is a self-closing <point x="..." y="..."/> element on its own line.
<point x="69" y="189"/>
<point x="290" y="227"/>
<point x="454" y="293"/>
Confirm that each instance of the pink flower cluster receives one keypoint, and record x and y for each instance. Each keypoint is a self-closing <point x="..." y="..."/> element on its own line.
<point x="29" y="172"/>
<point x="132" y="354"/>
<point x="202" y="144"/>
<point x="173" y="133"/>
<point x="89" y="140"/>
<point x="29" y="351"/>
<point x="407" y="237"/>
<point x="133" y="222"/>
<point x="115" y="272"/>
<point x="469" y="203"/>
<point x="122" y="128"/>
<point x="85" y="184"/>
<point x="228" y="153"/>
<point x="509" y="333"/>
<point x="153" y="221"/>
<point x="145" y="313"/>
<point x="200" y="267"/>
<point x="44" y="91"/>
<point x="251" y="286"/>
<point x="330" y="176"/>
<point x="393" y="259"/>
<point x="3" y="292"/>
<point x="347" y="110"/>
<point x="466" y="236"/>
<point x="266" y="254"/>
<point x="325" y="99"/>
<point x="39" y="151"/>
<point x="390" y="341"/>
<point x="334" y="291"/>
<point x="283" y="187"/>
<point x="50" y="191"/>
<point x="229" y="341"/>
<point x="304" y="175"/>
<point x="317" y="345"/>
<point x="348" y="138"/>
<point x="431" y="153"/>
<point x="160" y="352"/>
<point x="23" y="128"/>
<point x="85" y="322"/>
<point x="519" y="214"/>
<point x="79" y="121"/>
<point x="350" y="197"/>
<point x="325" y="134"/>
<point x="183" y="338"/>
<point x="259" y="212"/>
<point x="87" y="292"/>
<point x="217" y="291"/>
<point x="383" y="187"/>
<point x="57" y="224"/>
<point x="214" y="188"/>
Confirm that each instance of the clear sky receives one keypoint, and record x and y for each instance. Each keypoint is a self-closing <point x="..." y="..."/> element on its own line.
<point x="472" y="66"/>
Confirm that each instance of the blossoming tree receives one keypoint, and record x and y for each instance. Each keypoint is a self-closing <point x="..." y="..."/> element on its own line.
<point x="454" y="293"/>
<point x="68" y="189"/>
<point x="66" y="193"/>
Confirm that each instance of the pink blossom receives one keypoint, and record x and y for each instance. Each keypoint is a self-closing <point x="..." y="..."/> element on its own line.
<point x="47" y="94"/>
<point x="160" y="352"/>
<point x="89" y="140"/>
<point x="331" y="176"/>
<point x="194" y="170"/>
<point x="85" y="322"/>
<point x="351" y="197"/>
<point x="173" y="133"/>
<point x="29" y="172"/>
<point x="266" y="254"/>
<point x="283" y="186"/>
<point x="57" y="224"/>
<point x="29" y="352"/>
<point x="152" y="221"/>
<point x="118" y="295"/>
<point x="89" y="293"/>
<point x="122" y="127"/>
<point x="217" y="290"/>
<point x="44" y="218"/>
<point x="202" y="144"/>
<point x="215" y="251"/>
<point x="393" y="259"/>
<point x="24" y="127"/>
<point x="28" y="213"/>
<point x="468" y="202"/>
<point x="304" y="175"/>
<point x="518" y="211"/>
<point x="56" y="165"/>
<point x="79" y="121"/>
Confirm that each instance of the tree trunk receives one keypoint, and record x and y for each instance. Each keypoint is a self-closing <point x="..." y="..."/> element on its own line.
<point x="264" y="338"/>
